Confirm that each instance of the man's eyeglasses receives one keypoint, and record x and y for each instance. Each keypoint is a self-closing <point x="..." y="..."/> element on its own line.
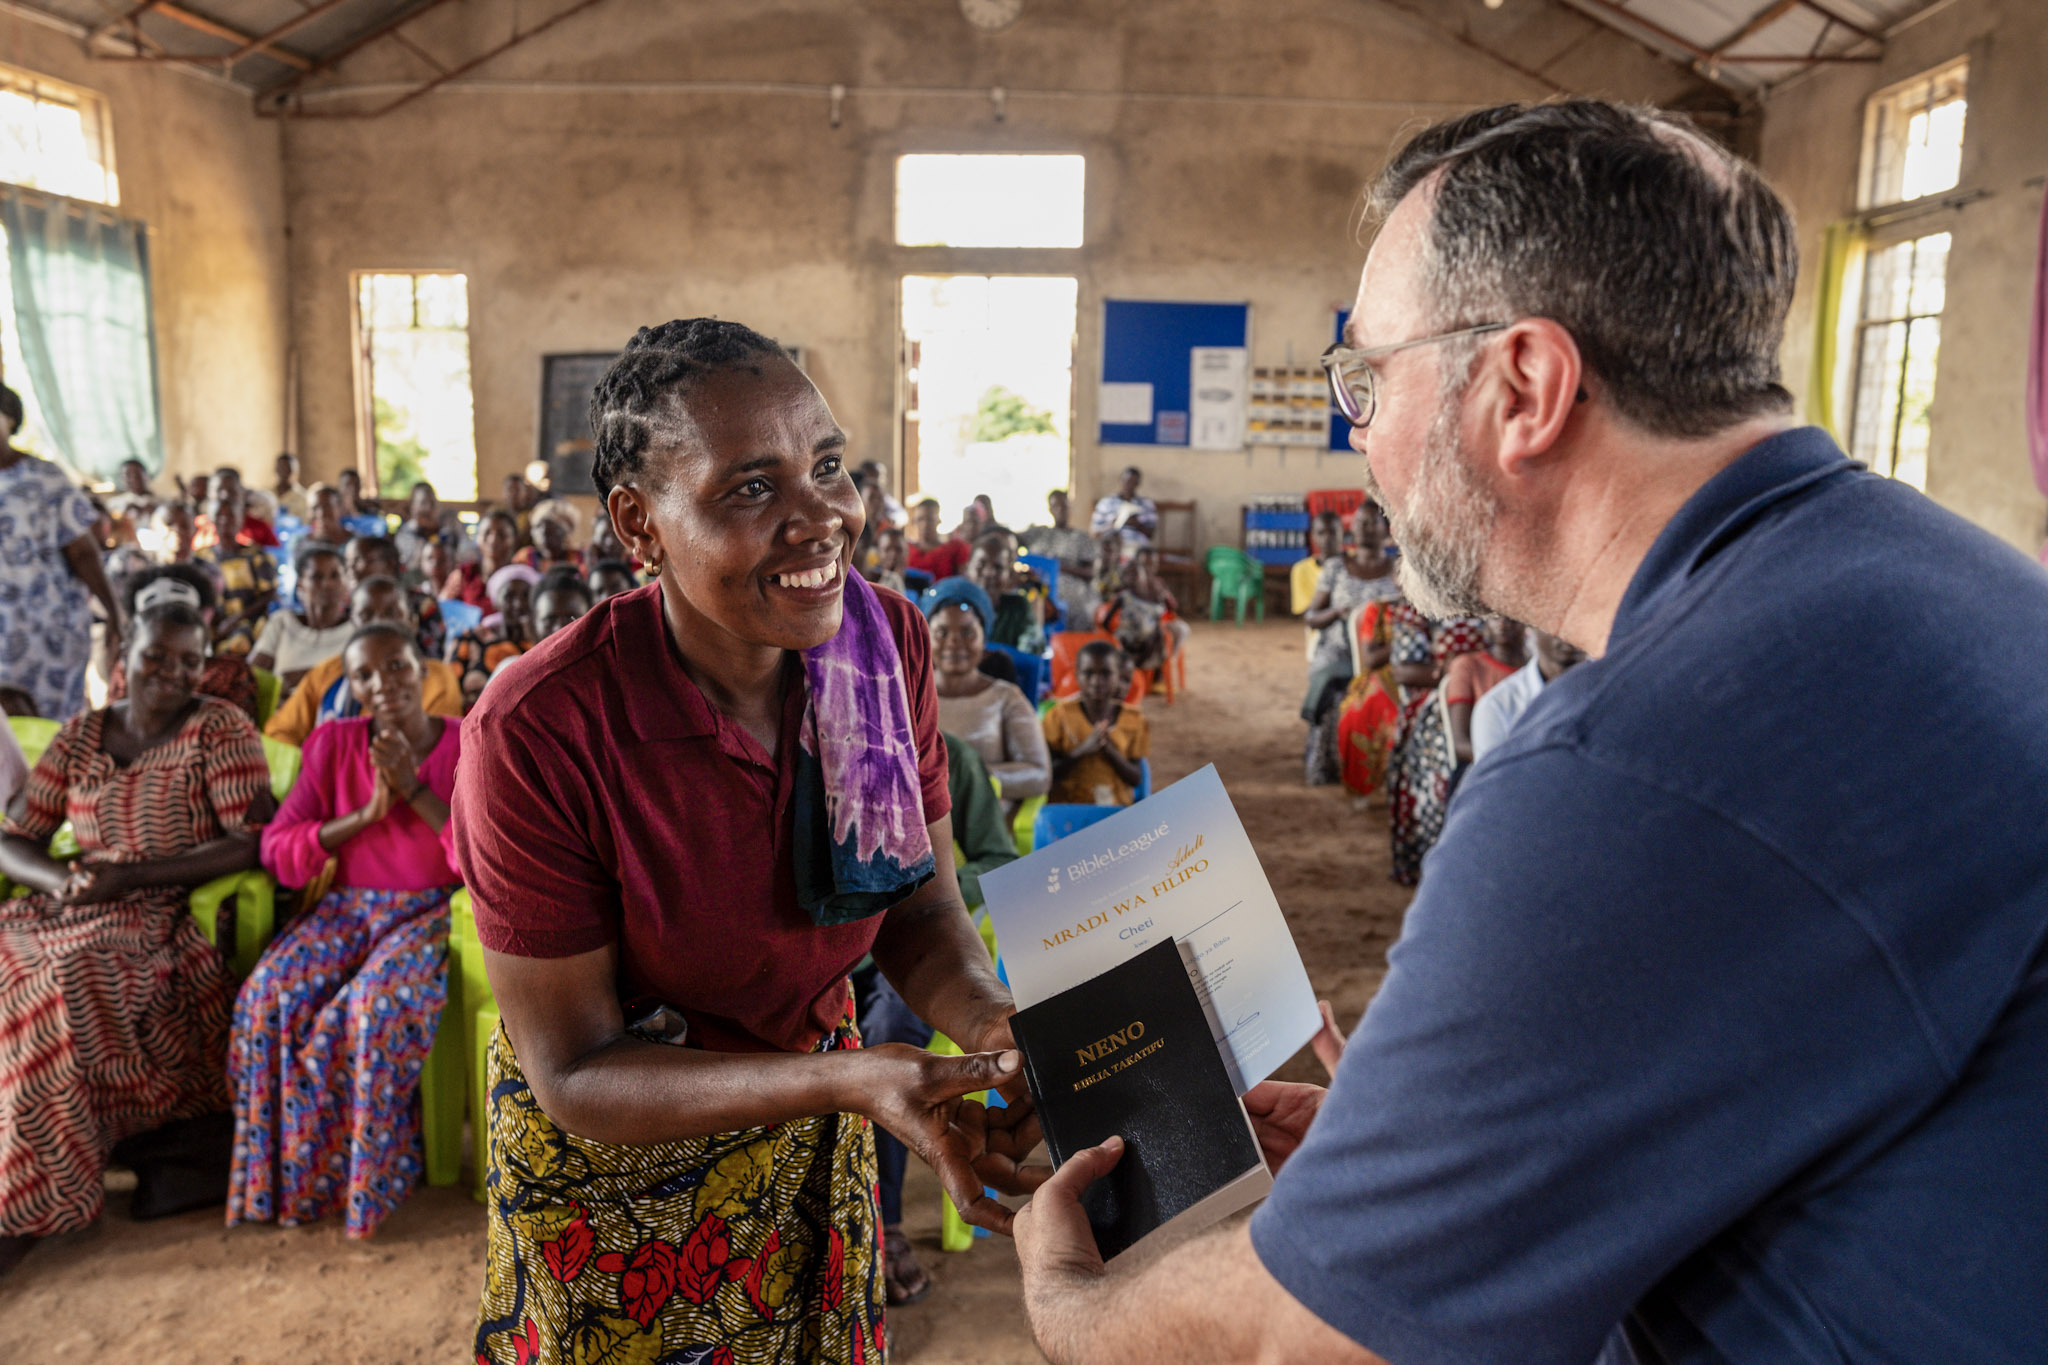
<point x="1351" y="378"/>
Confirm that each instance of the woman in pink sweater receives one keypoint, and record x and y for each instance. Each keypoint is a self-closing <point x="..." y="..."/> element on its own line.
<point x="332" y="1028"/>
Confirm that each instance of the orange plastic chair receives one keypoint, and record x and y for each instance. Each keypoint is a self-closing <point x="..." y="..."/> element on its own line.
<point x="1067" y="645"/>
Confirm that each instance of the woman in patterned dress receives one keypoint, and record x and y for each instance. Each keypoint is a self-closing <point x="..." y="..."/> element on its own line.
<point x="334" y="1025"/>
<point x="117" y="1007"/>
<point x="1419" y="777"/>
<point x="49" y="565"/>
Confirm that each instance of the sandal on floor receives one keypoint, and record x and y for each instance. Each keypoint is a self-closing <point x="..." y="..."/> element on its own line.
<point x="904" y="1279"/>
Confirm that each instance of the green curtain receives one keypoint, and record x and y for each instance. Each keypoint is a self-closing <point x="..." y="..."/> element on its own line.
<point x="81" y="304"/>
<point x="1839" y="245"/>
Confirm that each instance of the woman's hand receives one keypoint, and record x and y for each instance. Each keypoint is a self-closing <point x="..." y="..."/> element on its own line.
<point x="379" y="805"/>
<point x="92" y="883"/>
<point x="392" y="757"/>
<point x="920" y="1097"/>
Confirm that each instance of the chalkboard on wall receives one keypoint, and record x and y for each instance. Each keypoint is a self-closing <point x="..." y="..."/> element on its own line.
<point x="566" y="383"/>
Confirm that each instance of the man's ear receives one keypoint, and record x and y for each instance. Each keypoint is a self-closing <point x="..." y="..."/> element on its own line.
<point x="1540" y="373"/>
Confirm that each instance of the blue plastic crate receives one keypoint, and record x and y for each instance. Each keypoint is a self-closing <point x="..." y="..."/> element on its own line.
<point x="1283" y="555"/>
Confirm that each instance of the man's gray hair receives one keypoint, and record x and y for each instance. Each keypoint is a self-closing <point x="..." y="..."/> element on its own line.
<point x="1668" y="259"/>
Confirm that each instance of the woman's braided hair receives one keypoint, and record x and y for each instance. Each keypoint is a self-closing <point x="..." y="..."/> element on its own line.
<point x="629" y="411"/>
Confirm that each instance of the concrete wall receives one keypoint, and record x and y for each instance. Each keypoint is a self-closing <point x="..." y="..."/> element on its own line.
<point x="581" y="213"/>
<point x="1811" y="149"/>
<point x="207" y="176"/>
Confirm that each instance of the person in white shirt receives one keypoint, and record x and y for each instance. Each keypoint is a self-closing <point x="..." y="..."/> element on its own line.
<point x="1495" y="714"/>
<point x="293" y="641"/>
<point x="1135" y="518"/>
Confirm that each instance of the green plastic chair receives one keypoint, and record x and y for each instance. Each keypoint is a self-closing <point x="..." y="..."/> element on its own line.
<point x="33" y="734"/>
<point x="455" y="1078"/>
<point x="1236" y="575"/>
<point x="269" y="691"/>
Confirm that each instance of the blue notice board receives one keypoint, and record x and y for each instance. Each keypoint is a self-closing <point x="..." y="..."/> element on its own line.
<point x="1147" y="341"/>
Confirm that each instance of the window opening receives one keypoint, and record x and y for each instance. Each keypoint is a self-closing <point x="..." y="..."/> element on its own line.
<point x="1898" y="338"/>
<point x="1009" y="200"/>
<point x="1913" y="141"/>
<point x="418" y="419"/>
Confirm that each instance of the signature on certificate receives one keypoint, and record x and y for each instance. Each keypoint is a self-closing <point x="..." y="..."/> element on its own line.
<point x="1186" y="852"/>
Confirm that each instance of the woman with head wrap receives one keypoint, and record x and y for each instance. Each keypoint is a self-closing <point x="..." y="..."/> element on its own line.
<point x="226" y="676"/>
<point x="993" y="716"/>
<point x="505" y="634"/>
<point x="554" y="537"/>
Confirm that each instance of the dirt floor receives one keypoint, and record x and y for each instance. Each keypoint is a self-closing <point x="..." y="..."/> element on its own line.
<point x="188" y="1290"/>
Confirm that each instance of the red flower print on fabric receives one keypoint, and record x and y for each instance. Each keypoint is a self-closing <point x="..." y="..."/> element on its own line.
<point x="646" y="1279"/>
<point x="569" y="1253"/>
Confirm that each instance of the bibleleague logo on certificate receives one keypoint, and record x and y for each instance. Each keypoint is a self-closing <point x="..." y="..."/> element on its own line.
<point x="1174" y="867"/>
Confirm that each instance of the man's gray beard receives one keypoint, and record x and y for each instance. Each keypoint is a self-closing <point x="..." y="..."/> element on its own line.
<point x="1440" y="562"/>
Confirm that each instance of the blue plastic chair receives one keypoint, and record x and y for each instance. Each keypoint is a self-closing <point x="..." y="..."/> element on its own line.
<point x="1056" y="822"/>
<point x="1048" y="570"/>
<point x="1144" y="778"/>
<point x="915" y="581"/>
<point x="1031" y="670"/>
<point x="461" y="616"/>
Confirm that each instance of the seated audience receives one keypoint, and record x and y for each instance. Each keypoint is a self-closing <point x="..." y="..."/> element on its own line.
<point x="1359" y="575"/>
<point x="323" y="518"/>
<point x="497" y="543"/>
<point x="1423" y="764"/>
<point x="993" y="716"/>
<point x="253" y="528"/>
<point x="519" y="497"/>
<point x="1495" y="715"/>
<point x="993" y="567"/>
<point x="892" y="557"/>
<point x="116" y="1005"/>
<point x="1141" y="613"/>
<point x="293" y="641"/>
<point x="424" y="523"/>
<point x="930" y="552"/>
<point x="609" y="578"/>
<point x="360" y="516"/>
<point x="333" y="1026"/>
<point x="1325" y="542"/>
<point x="172" y="533"/>
<point x="289" y="494"/>
<point x="977" y="520"/>
<point x="377" y="557"/>
<point x="606" y="545"/>
<point x="248" y="574"/>
<point x="554" y="532"/>
<point x="324" y="694"/>
<point x="1076" y="552"/>
<point x="983" y="843"/>
<point x="437" y="565"/>
<point x="227" y="677"/>
<point x="560" y="599"/>
<point x="505" y="635"/>
<point x="136" y="502"/>
<point x="1109" y="569"/>
<point x="1471" y="676"/>
<point x="1123" y="513"/>
<point x="876" y="475"/>
<point x="1095" y="739"/>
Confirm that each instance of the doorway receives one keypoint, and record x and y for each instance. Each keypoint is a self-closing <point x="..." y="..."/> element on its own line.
<point x="987" y="378"/>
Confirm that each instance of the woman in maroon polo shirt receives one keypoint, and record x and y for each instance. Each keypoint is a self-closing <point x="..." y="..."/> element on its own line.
<point x="684" y="819"/>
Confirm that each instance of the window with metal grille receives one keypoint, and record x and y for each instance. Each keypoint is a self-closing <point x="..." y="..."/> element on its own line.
<point x="1913" y="137"/>
<point x="1898" y="337"/>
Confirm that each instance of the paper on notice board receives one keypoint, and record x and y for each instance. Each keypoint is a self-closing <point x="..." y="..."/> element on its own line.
<point x="1217" y="380"/>
<point x="1124" y="404"/>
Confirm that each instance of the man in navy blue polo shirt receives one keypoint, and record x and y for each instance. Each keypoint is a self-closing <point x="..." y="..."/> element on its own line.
<point x="1718" y="1030"/>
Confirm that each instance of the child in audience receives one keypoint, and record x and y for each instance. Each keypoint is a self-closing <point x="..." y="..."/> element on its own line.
<point x="333" y="1027"/>
<point x="891" y="559"/>
<point x="1141" y="612"/>
<point x="1095" y="739"/>
<point x="609" y="578"/>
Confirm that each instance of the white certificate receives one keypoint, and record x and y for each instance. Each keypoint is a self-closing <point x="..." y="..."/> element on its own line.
<point x="1175" y="865"/>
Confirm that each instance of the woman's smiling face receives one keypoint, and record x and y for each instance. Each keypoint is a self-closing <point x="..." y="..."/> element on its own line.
<point x="745" y="500"/>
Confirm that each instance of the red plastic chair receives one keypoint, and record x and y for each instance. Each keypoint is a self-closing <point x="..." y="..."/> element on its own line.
<point x="1067" y="645"/>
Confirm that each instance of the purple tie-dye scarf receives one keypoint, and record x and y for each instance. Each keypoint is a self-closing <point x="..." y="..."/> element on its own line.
<point x="861" y="841"/>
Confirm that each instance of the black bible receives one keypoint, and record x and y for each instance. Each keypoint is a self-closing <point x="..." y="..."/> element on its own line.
<point x="1130" y="1053"/>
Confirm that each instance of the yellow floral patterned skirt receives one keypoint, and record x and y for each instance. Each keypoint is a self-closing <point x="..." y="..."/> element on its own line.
<point x="740" y="1249"/>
